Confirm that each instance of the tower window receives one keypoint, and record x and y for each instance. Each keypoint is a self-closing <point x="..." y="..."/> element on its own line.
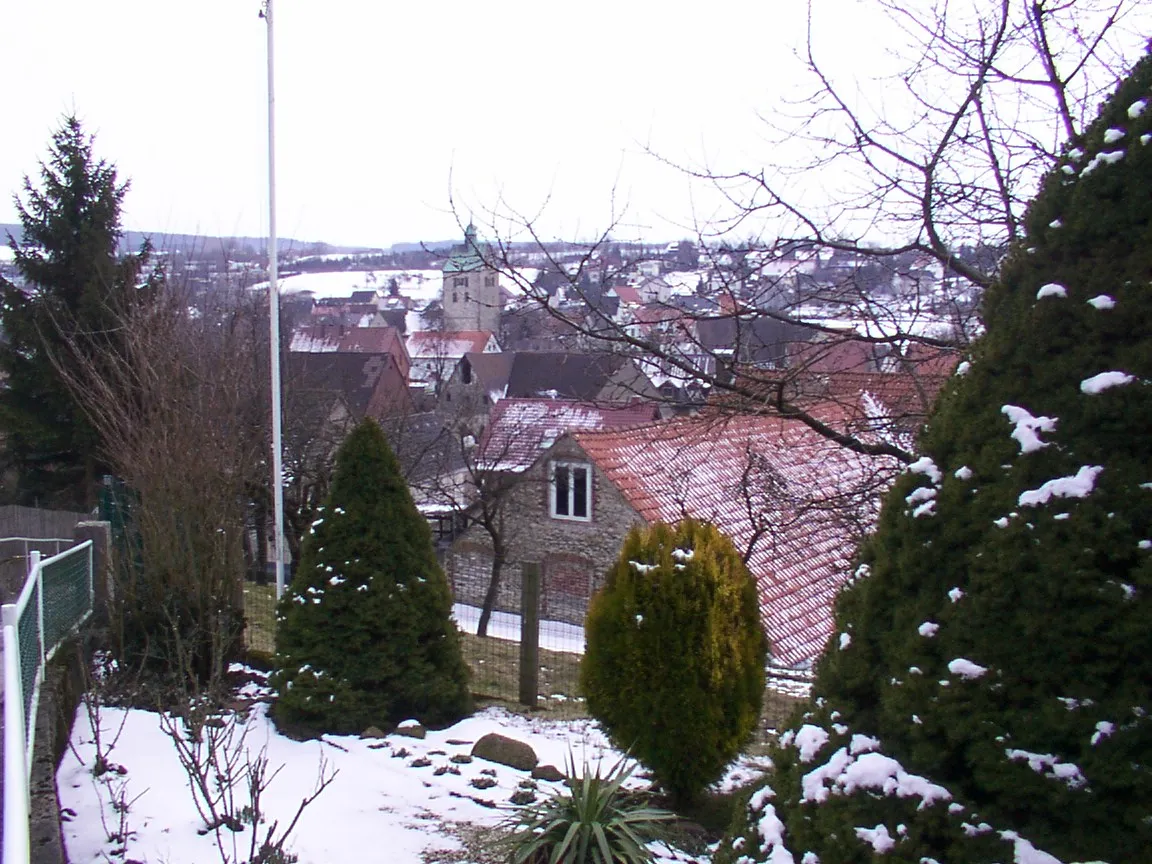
<point x="489" y="281"/>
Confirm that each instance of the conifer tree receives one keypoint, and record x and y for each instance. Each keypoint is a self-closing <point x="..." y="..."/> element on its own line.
<point x="365" y="635"/>
<point x="73" y="278"/>
<point x="989" y="694"/>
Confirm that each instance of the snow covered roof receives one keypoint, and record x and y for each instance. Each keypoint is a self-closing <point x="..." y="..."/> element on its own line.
<point x="798" y="501"/>
<point x="521" y="429"/>
<point x="326" y="338"/>
<point x="441" y="344"/>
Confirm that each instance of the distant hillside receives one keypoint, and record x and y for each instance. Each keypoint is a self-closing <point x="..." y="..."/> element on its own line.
<point x="200" y="246"/>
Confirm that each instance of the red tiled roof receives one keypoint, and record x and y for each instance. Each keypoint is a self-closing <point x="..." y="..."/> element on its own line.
<point x="796" y="499"/>
<point x="519" y="430"/>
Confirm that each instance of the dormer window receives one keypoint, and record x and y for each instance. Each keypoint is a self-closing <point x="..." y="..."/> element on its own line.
<point x="570" y="491"/>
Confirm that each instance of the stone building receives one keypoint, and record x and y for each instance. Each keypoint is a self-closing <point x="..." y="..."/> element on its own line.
<point x="470" y="293"/>
<point x="793" y="502"/>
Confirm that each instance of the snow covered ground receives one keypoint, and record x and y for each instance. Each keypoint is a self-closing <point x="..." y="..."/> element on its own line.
<point x="394" y="799"/>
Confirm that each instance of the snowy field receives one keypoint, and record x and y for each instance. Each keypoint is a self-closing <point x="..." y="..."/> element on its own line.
<point x="394" y="799"/>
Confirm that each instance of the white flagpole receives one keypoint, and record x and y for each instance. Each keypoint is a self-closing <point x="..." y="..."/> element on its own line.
<point x="274" y="319"/>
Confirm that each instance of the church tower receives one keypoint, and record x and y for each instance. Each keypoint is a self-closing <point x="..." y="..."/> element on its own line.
<point x="470" y="292"/>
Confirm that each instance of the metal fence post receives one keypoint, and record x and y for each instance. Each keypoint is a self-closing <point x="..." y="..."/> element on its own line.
<point x="16" y="789"/>
<point x="36" y="572"/>
<point x="529" y="633"/>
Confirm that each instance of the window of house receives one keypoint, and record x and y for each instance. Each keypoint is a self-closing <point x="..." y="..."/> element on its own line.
<point x="489" y="281"/>
<point x="570" y="496"/>
<point x="455" y="298"/>
<point x="460" y="282"/>
<point x="467" y="297"/>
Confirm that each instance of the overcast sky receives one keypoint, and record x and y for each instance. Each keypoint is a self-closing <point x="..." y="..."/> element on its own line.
<point x="386" y="111"/>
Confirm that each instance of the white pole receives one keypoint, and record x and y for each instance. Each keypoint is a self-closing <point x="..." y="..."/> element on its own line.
<point x="16" y="802"/>
<point x="274" y="319"/>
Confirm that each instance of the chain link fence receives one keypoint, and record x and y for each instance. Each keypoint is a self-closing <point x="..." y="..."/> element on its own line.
<point x="56" y="599"/>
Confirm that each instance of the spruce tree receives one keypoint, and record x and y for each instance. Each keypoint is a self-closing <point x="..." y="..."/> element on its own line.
<point x="72" y="279"/>
<point x="996" y="643"/>
<point x="674" y="668"/>
<point x="364" y="631"/>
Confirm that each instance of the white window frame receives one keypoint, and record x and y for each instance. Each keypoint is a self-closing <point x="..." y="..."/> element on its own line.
<point x="553" y="491"/>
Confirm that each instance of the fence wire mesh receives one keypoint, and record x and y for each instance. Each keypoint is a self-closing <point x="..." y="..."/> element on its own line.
<point x="28" y="639"/>
<point x="260" y="617"/>
<point x="67" y="597"/>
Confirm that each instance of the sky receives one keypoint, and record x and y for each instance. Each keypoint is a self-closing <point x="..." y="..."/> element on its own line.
<point x="400" y="122"/>
<point x="386" y="114"/>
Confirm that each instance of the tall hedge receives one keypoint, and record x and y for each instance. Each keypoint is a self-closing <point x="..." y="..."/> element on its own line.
<point x="674" y="666"/>
<point x="364" y="631"/>
<point x="987" y="696"/>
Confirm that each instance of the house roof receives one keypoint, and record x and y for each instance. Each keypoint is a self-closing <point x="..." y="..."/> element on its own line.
<point x="490" y="370"/>
<point x="561" y="375"/>
<point x="326" y="338"/>
<point x="791" y="500"/>
<point x="368" y="383"/>
<point x="628" y="294"/>
<point x="444" y="344"/>
<point x="519" y="430"/>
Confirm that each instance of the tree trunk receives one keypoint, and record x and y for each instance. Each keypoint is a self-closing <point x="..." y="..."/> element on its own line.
<point x="498" y="554"/>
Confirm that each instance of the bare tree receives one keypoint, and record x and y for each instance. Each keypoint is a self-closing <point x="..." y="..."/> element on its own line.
<point x="935" y="167"/>
<point x="173" y="391"/>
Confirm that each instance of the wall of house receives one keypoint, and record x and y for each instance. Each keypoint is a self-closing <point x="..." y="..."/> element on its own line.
<point x="573" y="555"/>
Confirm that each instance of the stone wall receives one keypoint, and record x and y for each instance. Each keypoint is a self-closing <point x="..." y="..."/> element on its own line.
<point x="574" y="555"/>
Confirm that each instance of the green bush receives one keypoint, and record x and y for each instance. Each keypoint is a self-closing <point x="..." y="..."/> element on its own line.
<point x="674" y="668"/>
<point x="999" y="647"/>
<point x="593" y="820"/>
<point x="365" y="635"/>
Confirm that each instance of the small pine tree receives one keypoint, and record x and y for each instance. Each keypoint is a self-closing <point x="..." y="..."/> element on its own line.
<point x="674" y="668"/>
<point x="997" y="651"/>
<point x="365" y="635"/>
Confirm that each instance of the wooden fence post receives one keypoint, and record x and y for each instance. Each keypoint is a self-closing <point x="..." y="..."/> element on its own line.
<point x="529" y="633"/>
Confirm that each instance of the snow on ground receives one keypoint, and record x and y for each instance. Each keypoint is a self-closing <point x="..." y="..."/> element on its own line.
<point x="420" y="285"/>
<point x="554" y="635"/>
<point x="394" y="799"/>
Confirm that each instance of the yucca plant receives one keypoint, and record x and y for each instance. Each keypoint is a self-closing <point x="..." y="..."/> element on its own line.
<point x="593" y="820"/>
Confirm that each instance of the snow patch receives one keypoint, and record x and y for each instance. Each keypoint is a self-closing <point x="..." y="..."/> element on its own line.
<point x="1077" y="486"/>
<point x="1050" y="766"/>
<point x="1137" y="108"/>
<point x="966" y="669"/>
<point x="963" y="367"/>
<point x="1099" y="159"/>
<point x="1102" y="301"/>
<point x="1111" y="136"/>
<point x="1051" y="290"/>
<point x="1027" y="427"/>
<point x="924" y="465"/>
<point x="1097" y="384"/>
<point x="1025" y="852"/>
<point x="878" y="838"/>
<point x="845" y="640"/>
<point x="1103" y="730"/>
<point x="809" y="739"/>
<point x="963" y="473"/>
<point x="928" y="629"/>
<point x="954" y="594"/>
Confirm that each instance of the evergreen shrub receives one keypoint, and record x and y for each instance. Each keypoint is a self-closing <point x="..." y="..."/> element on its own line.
<point x="988" y="695"/>
<point x="364" y="632"/>
<point x="674" y="665"/>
